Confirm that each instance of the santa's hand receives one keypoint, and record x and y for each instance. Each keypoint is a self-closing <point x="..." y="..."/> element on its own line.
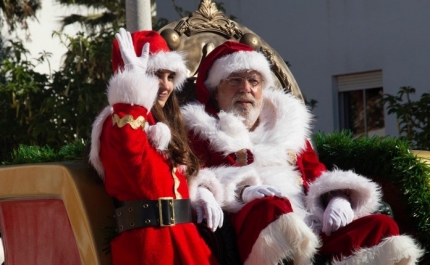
<point x="207" y="207"/>
<point x="131" y="61"/>
<point x="257" y="192"/>
<point x="337" y="214"/>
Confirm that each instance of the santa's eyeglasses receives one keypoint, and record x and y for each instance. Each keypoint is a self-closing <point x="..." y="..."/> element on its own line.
<point x="253" y="80"/>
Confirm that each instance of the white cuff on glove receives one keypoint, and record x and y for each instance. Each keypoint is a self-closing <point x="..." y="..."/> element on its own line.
<point x="337" y="214"/>
<point x="207" y="207"/>
<point x="159" y="135"/>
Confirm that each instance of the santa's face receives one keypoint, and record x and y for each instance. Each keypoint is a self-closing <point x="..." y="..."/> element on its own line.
<point x="241" y="93"/>
<point x="165" y="80"/>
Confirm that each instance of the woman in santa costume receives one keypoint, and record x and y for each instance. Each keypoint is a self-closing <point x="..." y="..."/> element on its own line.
<point x="260" y="167"/>
<point x="139" y="149"/>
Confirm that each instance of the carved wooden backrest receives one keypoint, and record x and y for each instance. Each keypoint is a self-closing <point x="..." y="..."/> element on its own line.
<point x="205" y="29"/>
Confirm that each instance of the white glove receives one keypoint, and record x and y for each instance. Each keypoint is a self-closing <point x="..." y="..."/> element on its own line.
<point x="131" y="61"/>
<point x="207" y="207"/>
<point x="337" y="214"/>
<point x="257" y="192"/>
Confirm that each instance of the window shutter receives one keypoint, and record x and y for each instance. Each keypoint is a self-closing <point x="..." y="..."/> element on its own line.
<point x="359" y="81"/>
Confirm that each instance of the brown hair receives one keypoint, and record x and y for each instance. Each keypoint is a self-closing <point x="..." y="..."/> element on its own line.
<point x="179" y="150"/>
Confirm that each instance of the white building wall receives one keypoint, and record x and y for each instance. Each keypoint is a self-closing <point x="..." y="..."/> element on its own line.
<point x="322" y="39"/>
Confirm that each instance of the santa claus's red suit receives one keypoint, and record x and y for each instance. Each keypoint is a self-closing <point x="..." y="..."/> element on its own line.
<point x="128" y="152"/>
<point x="278" y="153"/>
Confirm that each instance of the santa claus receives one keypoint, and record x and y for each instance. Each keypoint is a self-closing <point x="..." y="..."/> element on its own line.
<point x="260" y="167"/>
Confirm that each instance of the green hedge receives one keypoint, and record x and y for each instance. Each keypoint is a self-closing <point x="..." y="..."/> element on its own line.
<point x="44" y="154"/>
<point x="388" y="159"/>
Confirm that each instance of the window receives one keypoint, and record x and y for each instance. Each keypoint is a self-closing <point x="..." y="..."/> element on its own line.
<point x="361" y="109"/>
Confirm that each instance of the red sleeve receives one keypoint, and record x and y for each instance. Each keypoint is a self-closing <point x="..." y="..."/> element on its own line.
<point x="200" y="148"/>
<point x="309" y="165"/>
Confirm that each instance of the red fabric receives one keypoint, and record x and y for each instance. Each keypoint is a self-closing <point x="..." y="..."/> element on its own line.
<point x="139" y="39"/>
<point x="309" y="165"/>
<point x="202" y="93"/>
<point x="254" y="217"/>
<point x="134" y="170"/>
<point x="38" y="232"/>
<point x="365" y="232"/>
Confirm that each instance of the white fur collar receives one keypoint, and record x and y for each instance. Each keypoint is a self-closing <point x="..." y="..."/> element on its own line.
<point x="284" y="125"/>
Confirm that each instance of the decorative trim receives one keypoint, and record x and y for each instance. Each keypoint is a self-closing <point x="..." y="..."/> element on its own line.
<point x="277" y="69"/>
<point x="209" y="19"/>
<point x="241" y="157"/>
<point x="176" y="185"/>
<point x="128" y="119"/>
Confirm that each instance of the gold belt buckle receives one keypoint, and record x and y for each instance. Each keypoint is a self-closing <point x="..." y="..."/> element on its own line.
<point x="170" y="212"/>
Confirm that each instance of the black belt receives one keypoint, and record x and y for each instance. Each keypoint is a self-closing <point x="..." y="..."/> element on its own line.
<point x="144" y="213"/>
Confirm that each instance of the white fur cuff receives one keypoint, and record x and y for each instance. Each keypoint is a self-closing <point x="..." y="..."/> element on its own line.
<point x="390" y="251"/>
<point x="365" y="195"/>
<point x="206" y="178"/>
<point x="133" y="87"/>
<point x="159" y="135"/>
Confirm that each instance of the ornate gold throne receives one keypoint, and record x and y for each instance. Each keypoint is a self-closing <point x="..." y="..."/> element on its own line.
<point x="205" y="29"/>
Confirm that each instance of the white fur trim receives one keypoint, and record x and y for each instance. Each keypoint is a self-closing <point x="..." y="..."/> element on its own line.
<point x="287" y="237"/>
<point x="159" y="135"/>
<point x="389" y="252"/>
<point x="133" y="87"/>
<point x="223" y="183"/>
<point x="284" y="126"/>
<point x="172" y="61"/>
<point x="206" y="178"/>
<point x="95" y="140"/>
<point x="365" y="195"/>
<point x="231" y="178"/>
<point x="234" y="137"/>
<point x="239" y="61"/>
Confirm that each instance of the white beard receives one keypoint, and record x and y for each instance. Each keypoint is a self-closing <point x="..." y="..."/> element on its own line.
<point x="249" y="116"/>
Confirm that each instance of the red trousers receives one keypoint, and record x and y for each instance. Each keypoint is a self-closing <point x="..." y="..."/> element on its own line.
<point x="365" y="232"/>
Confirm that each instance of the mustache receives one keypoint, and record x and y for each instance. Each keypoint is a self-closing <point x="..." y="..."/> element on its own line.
<point x="244" y="98"/>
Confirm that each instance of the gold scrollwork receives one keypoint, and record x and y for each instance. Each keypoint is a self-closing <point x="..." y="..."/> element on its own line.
<point x="277" y="69"/>
<point x="209" y="18"/>
<point x="128" y="119"/>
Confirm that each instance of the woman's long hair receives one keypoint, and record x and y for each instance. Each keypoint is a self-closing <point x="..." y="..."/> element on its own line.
<point x="179" y="150"/>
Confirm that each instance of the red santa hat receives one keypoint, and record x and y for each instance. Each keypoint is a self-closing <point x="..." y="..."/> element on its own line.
<point x="225" y="59"/>
<point x="160" y="56"/>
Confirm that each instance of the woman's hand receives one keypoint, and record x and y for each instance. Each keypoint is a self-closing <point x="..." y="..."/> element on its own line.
<point x="207" y="207"/>
<point x="131" y="61"/>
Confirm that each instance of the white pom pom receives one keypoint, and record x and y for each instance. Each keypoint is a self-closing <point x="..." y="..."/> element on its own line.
<point x="159" y="136"/>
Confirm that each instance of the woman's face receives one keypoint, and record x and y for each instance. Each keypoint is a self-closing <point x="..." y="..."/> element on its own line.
<point x="165" y="80"/>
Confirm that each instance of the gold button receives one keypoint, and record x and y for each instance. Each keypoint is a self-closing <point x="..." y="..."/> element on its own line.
<point x="131" y="224"/>
<point x="130" y="209"/>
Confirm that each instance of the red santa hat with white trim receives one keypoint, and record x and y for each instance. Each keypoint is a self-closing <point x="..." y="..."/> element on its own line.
<point x="160" y="56"/>
<point x="225" y="59"/>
